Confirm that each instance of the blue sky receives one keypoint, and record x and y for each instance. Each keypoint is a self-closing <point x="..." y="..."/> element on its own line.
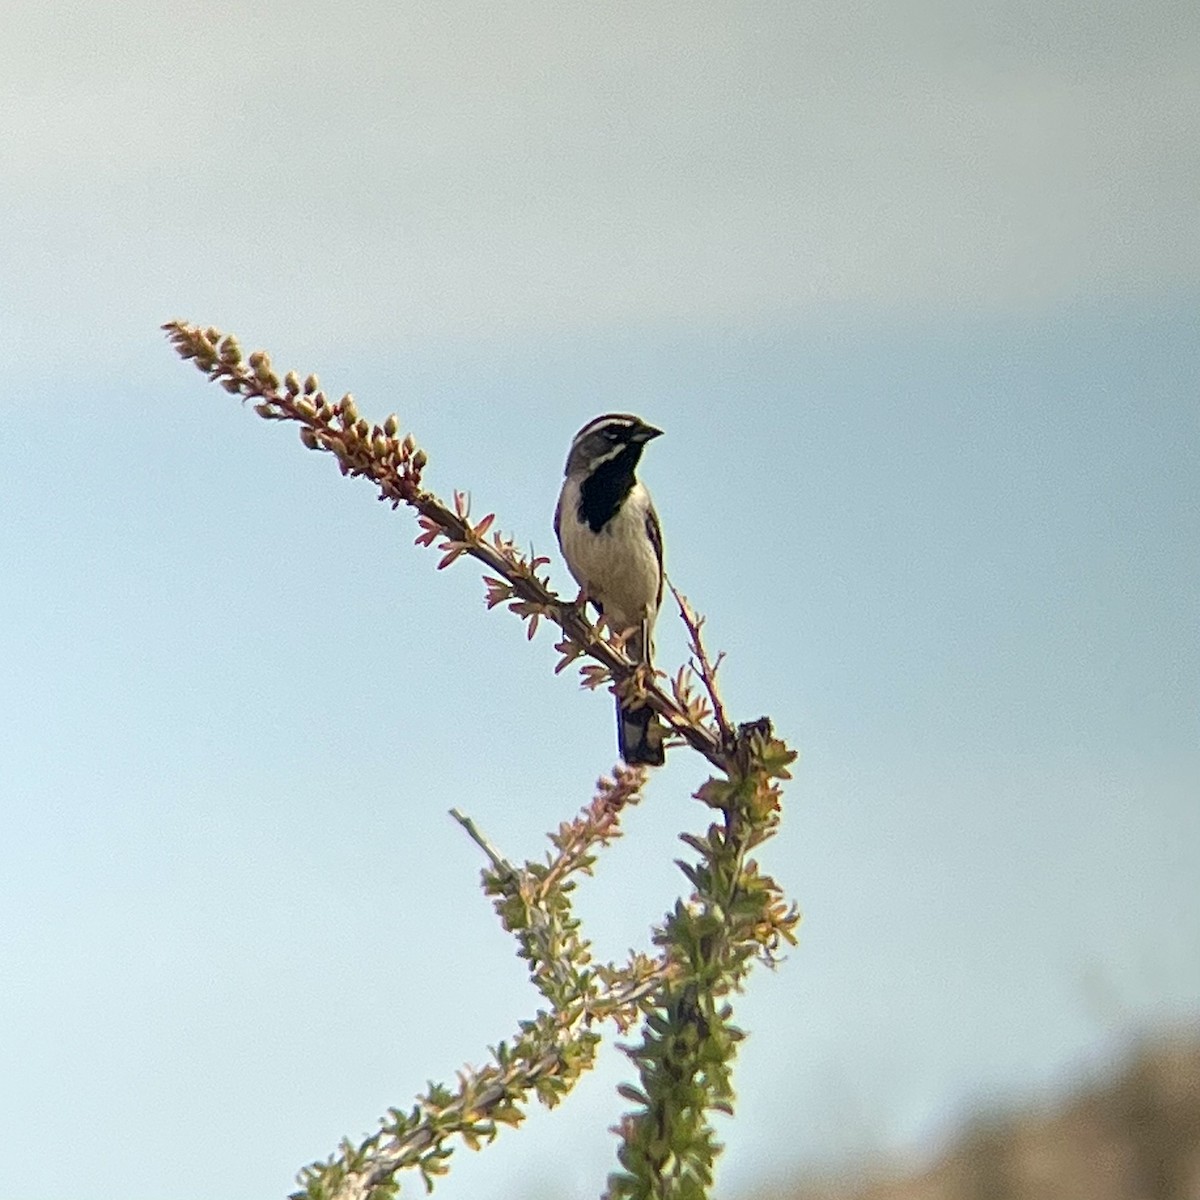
<point x="914" y="296"/>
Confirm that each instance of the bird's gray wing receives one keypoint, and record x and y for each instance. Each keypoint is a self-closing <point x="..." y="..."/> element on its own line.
<point x="654" y="533"/>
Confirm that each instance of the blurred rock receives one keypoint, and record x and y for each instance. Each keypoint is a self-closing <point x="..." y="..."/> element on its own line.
<point x="1134" y="1137"/>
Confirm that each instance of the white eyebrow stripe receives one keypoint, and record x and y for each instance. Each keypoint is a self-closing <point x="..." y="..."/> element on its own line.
<point x="624" y="420"/>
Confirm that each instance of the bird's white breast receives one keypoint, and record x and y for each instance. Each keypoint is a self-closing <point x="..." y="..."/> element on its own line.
<point x="617" y="567"/>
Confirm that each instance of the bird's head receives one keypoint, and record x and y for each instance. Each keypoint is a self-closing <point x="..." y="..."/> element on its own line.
<point x="606" y="439"/>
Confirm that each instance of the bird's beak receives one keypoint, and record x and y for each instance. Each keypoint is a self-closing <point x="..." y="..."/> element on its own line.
<point x="644" y="433"/>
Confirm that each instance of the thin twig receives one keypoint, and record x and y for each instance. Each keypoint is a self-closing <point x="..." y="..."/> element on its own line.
<point x="502" y="865"/>
<point x="705" y="667"/>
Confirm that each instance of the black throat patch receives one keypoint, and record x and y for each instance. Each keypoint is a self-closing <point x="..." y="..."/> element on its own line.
<point x="604" y="490"/>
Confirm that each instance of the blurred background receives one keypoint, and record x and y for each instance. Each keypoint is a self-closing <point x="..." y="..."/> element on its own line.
<point x="912" y="289"/>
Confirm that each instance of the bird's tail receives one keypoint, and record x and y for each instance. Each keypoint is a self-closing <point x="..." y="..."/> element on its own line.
<point x="639" y="731"/>
<point x="640" y="736"/>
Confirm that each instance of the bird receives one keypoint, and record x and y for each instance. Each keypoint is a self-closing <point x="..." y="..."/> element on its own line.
<point x="610" y="536"/>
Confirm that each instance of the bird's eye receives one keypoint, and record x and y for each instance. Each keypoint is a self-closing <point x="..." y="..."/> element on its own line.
<point x="613" y="435"/>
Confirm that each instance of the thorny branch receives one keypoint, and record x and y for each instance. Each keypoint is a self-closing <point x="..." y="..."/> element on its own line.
<point x="484" y="1100"/>
<point x="395" y="465"/>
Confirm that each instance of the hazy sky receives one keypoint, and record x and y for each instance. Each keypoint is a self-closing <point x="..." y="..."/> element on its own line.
<point x="913" y="292"/>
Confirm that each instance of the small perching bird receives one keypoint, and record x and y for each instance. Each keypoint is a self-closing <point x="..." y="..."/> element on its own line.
<point x="610" y="536"/>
